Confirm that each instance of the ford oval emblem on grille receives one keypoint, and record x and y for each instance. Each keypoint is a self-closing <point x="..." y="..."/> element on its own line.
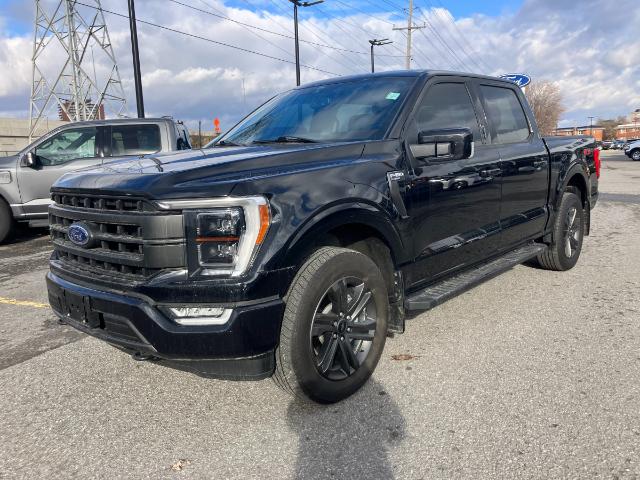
<point x="79" y="234"/>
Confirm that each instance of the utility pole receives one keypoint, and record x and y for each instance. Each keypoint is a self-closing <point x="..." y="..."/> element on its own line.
<point x="409" y="28"/>
<point x="591" y="127"/>
<point x="296" y="4"/>
<point x="136" y="58"/>
<point x="375" y="42"/>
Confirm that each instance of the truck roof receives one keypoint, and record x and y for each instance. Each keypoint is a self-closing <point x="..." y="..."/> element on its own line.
<point x="123" y="120"/>
<point x="403" y="73"/>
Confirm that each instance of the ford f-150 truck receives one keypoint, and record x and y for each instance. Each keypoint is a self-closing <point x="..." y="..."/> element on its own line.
<point x="26" y="178"/>
<point x="297" y="244"/>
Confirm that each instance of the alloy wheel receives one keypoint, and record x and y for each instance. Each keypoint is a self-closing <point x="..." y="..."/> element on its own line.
<point x="343" y="328"/>
<point x="573" y="230"/>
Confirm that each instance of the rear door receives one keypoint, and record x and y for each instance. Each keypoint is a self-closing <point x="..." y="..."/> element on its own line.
<point x="524" y="164"/>
<point x="454" y="205"/>
<point x="70" y="149"/>
<point x="133" y="139"/>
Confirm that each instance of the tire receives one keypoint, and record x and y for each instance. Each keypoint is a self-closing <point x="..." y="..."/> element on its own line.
<point x="568" y="235"/>
<point x="315" y="365"/>
<point x="7" y="222"/>
<point x="635" y="155"/>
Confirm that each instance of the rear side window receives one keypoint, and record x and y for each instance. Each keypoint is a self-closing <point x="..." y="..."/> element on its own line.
<point x="135" y="139"/>
<point x="505" y="114"/>
<point x="447" y="105"/>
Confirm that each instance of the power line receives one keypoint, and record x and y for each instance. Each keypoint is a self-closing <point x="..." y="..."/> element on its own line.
<point x="319" y="36"/>
<point x="363" y="12"/>
<point x="466" y="41"/>
<point x="445" y="24"/>
<point x="216" y="42"/>
<point x="444" y="42"/>
<point x="245" y="26"/>
<point x="248" y="25"/>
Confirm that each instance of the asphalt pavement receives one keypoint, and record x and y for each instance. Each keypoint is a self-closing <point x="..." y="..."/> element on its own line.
<point x="533" y="374"/>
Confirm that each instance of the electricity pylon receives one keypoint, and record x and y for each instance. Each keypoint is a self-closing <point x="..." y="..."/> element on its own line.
<point x="69" y="41"/>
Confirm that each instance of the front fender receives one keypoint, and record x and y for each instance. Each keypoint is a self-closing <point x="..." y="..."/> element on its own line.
<point x="349" y="212"/>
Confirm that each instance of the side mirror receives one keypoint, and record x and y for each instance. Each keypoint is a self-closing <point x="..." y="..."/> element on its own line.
<point x="446" y="144"/>
<point x="29" y="159"/>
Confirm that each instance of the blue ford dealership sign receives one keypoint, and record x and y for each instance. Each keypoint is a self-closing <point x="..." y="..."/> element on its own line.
<point x="519" y="79"/>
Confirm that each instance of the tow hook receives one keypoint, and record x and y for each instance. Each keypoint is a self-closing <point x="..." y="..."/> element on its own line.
<point x="141" y="357"/>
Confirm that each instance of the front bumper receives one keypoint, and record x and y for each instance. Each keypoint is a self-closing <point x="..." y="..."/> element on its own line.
<point x="243" y="348"/>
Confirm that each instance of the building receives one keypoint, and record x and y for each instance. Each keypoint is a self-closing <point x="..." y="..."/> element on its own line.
<point x="69" y="110"/>
<point x="596" y="132"/>
<point x="14" y="133"/>
<point x="629" y="130"/>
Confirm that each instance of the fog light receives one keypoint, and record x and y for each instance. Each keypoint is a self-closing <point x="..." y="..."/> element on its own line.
<point x="199" y="315"/>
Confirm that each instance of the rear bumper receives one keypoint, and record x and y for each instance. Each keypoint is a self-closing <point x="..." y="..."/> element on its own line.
<point x="243" y="348"/>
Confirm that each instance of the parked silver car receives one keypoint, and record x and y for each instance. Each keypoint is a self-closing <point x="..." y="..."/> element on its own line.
<point x="25" y="178"/>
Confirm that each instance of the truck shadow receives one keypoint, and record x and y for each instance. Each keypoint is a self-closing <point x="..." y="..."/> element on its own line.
<point x="351" y="439"/>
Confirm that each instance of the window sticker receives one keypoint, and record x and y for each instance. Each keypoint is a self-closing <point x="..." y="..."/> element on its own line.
<point x="392" y="96"/>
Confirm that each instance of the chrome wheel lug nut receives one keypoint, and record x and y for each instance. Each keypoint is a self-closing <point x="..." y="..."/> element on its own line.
<point x="335" y="335"/>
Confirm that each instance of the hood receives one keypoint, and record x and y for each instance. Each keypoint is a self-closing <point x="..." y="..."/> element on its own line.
<point x="210" y="172"/>
<point x="8" y="163"/>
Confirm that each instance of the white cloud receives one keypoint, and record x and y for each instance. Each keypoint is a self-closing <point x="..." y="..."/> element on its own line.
<point x="594" y="58"/>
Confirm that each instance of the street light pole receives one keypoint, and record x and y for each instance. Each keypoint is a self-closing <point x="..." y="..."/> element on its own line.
<point x="376" y="42"/>
<point x="296" y="4"/>
<point x="136" y="59"/>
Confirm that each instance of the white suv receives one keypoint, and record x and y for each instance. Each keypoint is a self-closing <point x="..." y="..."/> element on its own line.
<point x="632" y="150"/>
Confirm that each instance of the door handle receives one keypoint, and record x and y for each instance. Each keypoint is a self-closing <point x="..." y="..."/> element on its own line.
<point x="492" y="172"/>
<point x="393" y="179"/>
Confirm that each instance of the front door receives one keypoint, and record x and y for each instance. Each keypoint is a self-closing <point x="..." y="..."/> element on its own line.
<point x="523" y="162"/>
<point x="68" y="150"/>
<point x="454" y="205"/>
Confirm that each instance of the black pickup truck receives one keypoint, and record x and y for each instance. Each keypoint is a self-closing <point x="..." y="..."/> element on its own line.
<point x="298" y="243"/>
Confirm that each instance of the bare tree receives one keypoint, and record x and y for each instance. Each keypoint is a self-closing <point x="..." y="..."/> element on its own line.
<point x="546" y="102"/>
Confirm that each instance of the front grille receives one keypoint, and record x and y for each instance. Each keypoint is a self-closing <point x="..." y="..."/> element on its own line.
<point x="102" y="203"/>
<point x="130" y="241"/>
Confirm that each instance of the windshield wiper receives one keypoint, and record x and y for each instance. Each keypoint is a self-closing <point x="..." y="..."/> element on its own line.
<point x="286" y="139"/>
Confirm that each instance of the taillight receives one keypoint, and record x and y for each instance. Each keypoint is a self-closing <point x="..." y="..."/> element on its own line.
<point x="596" y="158"/>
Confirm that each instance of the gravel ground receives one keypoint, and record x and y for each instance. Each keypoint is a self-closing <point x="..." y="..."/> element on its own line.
<point x="533" y="374"/>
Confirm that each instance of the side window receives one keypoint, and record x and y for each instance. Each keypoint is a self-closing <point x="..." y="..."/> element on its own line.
<point x="135" y="139"/>
<point x="505" y="114"/>
<point x="447" y="105"/>
<point x="70" y="144"/>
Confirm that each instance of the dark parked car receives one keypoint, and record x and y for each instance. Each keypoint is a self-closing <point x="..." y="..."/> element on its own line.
<point x="299" y="243"/>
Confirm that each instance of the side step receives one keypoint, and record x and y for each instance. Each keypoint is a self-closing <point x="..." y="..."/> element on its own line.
<point x="441" y="292"/>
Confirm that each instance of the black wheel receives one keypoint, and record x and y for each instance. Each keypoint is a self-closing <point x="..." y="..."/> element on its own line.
<point x="334" y="326"/>
<point x="7" y="223"/>
<point x="635" y="155"/>
<point x="568" y="233"/>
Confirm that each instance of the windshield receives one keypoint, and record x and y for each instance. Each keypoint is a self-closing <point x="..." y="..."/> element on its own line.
<point x="344" y="111"/>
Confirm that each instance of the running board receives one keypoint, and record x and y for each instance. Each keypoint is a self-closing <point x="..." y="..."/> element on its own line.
<point x="442" y="291"/>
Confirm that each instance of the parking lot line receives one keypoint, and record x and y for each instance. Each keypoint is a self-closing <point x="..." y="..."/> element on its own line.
<point x="24" y="303"/>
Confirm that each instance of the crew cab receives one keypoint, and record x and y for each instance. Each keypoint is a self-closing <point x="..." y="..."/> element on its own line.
<point x="298" y="243"/>
<point x="26" y="178"/>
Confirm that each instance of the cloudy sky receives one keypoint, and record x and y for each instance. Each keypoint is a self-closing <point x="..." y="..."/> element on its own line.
<point x="590" y="48"/>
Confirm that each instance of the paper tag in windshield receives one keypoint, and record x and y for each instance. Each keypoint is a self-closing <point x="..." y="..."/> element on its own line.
<point x="393" y="95"/>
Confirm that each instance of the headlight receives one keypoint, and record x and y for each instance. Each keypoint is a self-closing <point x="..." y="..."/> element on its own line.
<point x="5" y="176"/>
<point x="223" y="234"/>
